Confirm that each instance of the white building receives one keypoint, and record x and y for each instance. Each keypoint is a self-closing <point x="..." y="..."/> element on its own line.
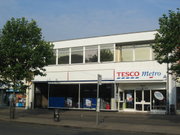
<point x="131" y="79"/>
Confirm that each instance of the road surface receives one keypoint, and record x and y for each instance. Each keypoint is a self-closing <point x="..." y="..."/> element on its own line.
<point x="16" y="128"/>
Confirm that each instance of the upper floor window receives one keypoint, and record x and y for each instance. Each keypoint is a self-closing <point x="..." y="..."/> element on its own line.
<point x="134" y="53"/>
<point x="63" y="56"/>
<point x="53" y="59"/>
<point x="127" y="53"/>
<point x="142" y="52"/>
<point x="107" y="52"/>
<point x="77" y="55"/>
<point x="91" y="54"/>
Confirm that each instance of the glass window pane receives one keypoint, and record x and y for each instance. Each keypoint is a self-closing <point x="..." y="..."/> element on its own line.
<point x="91" y="53"/>
<point x="159" y="99"/>
<point x="53" y="59"/>
<point x="107" y="52"/>
<point x="77" y="55"/>
<point x="127" y="53"/>
<point x="142" y="53"/>
<point x="63" y="56"/>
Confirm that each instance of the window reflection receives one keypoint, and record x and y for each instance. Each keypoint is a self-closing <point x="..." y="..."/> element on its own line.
<point x="63" y="56"/>
<point x="107" y="52"/>
<point x="91" y="54"/>
<point x="77" y="55"/>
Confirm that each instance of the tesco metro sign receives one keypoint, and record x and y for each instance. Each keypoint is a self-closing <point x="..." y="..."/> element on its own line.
<point x="138" y="75"/>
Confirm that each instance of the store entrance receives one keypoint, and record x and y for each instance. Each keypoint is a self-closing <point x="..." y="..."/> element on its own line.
<point x="142" y="100"/>
<point x="129" y="99"/>
<point x="139" y="100"/>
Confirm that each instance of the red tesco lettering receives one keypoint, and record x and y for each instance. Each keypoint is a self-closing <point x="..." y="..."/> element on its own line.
<point x="127" y="74"/>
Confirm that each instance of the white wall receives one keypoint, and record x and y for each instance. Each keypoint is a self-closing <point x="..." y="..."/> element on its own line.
<point x="107" y="70"/>
<point x="131" y="37"/>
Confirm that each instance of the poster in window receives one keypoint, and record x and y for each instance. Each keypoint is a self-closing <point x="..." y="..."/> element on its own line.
<point x="129" y="97"/>
<point x="88" y="102"/>
<point x="158" y="95"/>
<point x="69" y="102"/>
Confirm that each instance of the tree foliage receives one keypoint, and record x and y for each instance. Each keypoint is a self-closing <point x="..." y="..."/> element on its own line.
<point x="24" y="52"/>
<point x="167" y="41"/>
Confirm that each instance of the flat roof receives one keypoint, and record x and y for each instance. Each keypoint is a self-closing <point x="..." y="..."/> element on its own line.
<point x="103" y="35"/>
<point x="107" y="39"/>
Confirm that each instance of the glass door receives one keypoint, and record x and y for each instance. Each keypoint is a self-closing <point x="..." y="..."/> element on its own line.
<point x="129" y="99"/>
<point x="138" y="103"/>
<point x="147" y="100"/>
<point x="142" y="100"/>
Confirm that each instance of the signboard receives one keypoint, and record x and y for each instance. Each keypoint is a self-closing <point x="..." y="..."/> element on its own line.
<point x="98" y="105"/>
<point x="140" y="75"/>
<point x="99" y="79"/>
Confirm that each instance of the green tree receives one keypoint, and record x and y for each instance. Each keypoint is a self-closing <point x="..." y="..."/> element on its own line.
<point x="24" y="52"/>
<point x="167" y="41"/>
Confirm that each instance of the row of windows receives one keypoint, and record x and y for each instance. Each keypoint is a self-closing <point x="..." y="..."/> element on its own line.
<point x="102" y="53"/>
<point x="134" y="53"/>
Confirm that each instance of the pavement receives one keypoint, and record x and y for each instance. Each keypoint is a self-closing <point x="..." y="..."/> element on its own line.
<point x="121" y="121"/>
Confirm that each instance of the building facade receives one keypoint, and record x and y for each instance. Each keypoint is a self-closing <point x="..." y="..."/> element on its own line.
<point x="132" y="80"/>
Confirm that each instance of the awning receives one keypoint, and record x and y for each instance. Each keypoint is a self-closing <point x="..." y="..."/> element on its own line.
<point x="80" y="82"/>
<point x="140" y="81"/>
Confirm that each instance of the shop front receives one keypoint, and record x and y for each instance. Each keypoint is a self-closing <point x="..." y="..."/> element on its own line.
<point x="74" y="95"/>
<point x="142" y="100"/>
<point x="141" y="90"/>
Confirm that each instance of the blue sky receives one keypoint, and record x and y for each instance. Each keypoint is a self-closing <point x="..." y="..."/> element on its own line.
<point x="68" y="19"/>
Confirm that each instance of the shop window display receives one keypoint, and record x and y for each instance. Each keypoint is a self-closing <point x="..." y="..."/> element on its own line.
<point x="20" y="100"/>
<point x="63" y="96"/>
<point x="159" y="99"/>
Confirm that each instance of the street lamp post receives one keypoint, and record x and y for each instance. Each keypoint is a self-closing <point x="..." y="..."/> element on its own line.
<point x="99" y="78"/>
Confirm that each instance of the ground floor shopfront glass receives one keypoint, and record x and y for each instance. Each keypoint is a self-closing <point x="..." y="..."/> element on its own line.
<point x="80" y="95"/>
<point x="142" y="100"/>
<point x="3" y="99"/>
<point x="178" y="98"/>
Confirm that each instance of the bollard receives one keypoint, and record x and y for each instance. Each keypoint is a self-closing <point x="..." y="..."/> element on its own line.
<point x="56" y="115"/>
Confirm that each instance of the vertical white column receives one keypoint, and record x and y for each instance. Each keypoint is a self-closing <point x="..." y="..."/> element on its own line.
<point x="114" y="53"/>
<point x="27" y="98"/>
<point x="30" y="97"/>
<point x="57" y="56"/>
<point x="113" y="100"/>
<point x="99" y="54"/>
<point x="133" y="53"/>
<point x="172" y="91"/>
<point x="69" y="55"/>
<point x="151" y="54"/>
<point x="84" y="54"/>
